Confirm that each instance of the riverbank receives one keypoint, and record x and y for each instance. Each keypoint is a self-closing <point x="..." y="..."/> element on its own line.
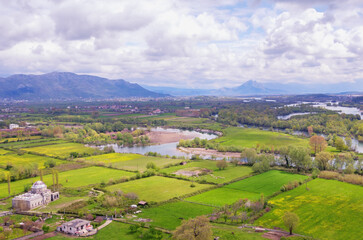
<point x="210" y="152"/>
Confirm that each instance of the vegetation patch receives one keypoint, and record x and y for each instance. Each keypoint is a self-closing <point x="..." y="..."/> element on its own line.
<point x="63" y="150"/>
<point x="73" y="178"/>
<point x="128" y="161"/>
<point x="267" y="183"/>
<point x="215" y="176"/>
<point x="328" y="210"/>
<point x="251" y="137"/>
<point x="157" y="188"/>
<point x="170" y="215"/>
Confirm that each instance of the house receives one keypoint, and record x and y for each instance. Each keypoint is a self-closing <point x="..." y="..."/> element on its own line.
<point x="13" y="126"/>
<point x="76" y="227"/>
<point x="142" y="203"/>
<point x="38" y="195"/>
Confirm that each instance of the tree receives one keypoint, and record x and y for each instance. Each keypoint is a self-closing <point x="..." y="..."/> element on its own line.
<point x="318" y="143"/>
<point x="300" y="157"/>
<point x="8" y="178"/>
<point x="310" y="130"/>
<point x="284" y="153"/>
<point x="291" y="221"/>
<point x="250" y="154"/>
<point x="198" y="228"/>
<point x="322" y="160"/>
<point x="221" y="164"/>
<point x="41" y="174"/>
<point x="56" y="179"/>
<point x="348" y="142"/>
<point x="53" y="175"/>
<point x="150" y="165"/>
<point x="340" y="144"/>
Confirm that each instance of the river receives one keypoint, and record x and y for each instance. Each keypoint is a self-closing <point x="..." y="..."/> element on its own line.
<point x="164" y="149"/>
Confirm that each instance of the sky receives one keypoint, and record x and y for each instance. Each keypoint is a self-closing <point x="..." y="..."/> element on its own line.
<point x="185" y="43"/>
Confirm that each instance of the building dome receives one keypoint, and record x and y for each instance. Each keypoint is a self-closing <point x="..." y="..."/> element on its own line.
<point x="39" y="184"/>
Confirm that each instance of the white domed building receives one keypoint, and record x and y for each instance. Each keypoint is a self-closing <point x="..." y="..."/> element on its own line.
<point x="39" y="195"/>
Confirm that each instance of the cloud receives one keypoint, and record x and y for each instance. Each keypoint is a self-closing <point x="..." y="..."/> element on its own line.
<point x="185" y="43"/>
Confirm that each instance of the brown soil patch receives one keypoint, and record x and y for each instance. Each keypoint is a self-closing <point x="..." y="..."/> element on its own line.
<point x="275" y="235"/>
<point x="210" y="152"/>
<point x="157" y="137"/>
<point x="45" y="236"/>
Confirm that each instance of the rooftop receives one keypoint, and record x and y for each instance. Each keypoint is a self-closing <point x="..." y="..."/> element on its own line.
<point x="76" y="223"/>
<point x="28" y="196"/>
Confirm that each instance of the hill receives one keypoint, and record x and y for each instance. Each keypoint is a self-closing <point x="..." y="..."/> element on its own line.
<point x="65" y="85"/>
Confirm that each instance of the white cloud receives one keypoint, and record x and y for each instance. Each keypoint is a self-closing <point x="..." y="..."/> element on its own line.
<point x="185" y="43"/>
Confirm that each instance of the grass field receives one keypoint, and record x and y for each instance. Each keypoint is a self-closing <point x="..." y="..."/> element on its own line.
<point x="114" y="231"/>
<point x="61" y="203"/>
<point x="251" y="188"/>
<point x="128" y="161"/>
<point x="62" y="150"/>
<point x="170" y="215"/>
<point x="73" y="178"/>
<point x="25" y="160"/>
<point x="15" y="139"/>
<point x="32" y="143"/>
<point x="329" y="210"/>
<point x="250" y="137"/>
<point x="3" y="151"/>
<point x="225" y="232"/>
<point x="217" y="176"/>
<point x="157" y="188"/>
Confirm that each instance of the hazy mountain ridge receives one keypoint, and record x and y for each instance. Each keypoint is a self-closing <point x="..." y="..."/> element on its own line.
<point x="252" y="87"/>
<point x="65" y="85"/>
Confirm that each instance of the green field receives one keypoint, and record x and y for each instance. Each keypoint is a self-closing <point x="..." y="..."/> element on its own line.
<point x="170" y="215"/>
<point x="73" y="178"/>
<point x="32" y="143"/>
<point x="3" y="151"/>
<point x="225" y="232"/>
<point x="217" y="176"/>
<point x="114" y="231"/>
<point x="251" y="188"/>
<point x="128" y="161"/>
<point x="157" y="188"/>
<point x="25" y="160"/>
<point x="250" y="137"/>
<point x="62" y="150"/>
<point x="328" y="210"/>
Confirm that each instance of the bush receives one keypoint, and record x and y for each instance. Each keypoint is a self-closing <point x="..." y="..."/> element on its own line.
<point x="45" y="228"/>
<point x="50" y="163"/>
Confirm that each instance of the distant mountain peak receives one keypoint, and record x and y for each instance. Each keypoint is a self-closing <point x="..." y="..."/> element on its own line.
<point x="68" y="85"/>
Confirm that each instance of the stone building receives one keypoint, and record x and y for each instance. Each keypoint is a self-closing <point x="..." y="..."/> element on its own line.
<point x="39" y="195"/>
<point x="76" y="227"/>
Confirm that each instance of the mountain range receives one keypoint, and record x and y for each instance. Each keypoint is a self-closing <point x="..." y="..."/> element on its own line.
<point x="65" y="85"/>
<point x="252" y="87"/>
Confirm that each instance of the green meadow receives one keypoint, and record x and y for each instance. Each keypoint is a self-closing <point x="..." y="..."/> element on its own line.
<point x="62" y="150"/>
<point x="328" y="210"/>
<point x="32" y="143"/>
<point x="72" y="178"/>
<point x="251" y="188"/>
<point x="170" y="215"/>
<point x="217" y="176"/>
<point x="226" y="232"/>
<point x="114" y="231"/>
<point x="25" y="160"/>
<point x="250" y="137"/>
<point x="157" y="188"/>
<point x="128" y="161"/>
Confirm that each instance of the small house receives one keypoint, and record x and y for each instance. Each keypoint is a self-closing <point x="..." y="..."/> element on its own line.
<point x="76" y="227"/>
<point x="142" y="204"/>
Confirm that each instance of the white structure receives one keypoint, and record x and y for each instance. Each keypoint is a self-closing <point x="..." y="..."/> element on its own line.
<point x="38" y="195"/>
<point x="76" y="227"/>
<point x="13" y="126"/>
